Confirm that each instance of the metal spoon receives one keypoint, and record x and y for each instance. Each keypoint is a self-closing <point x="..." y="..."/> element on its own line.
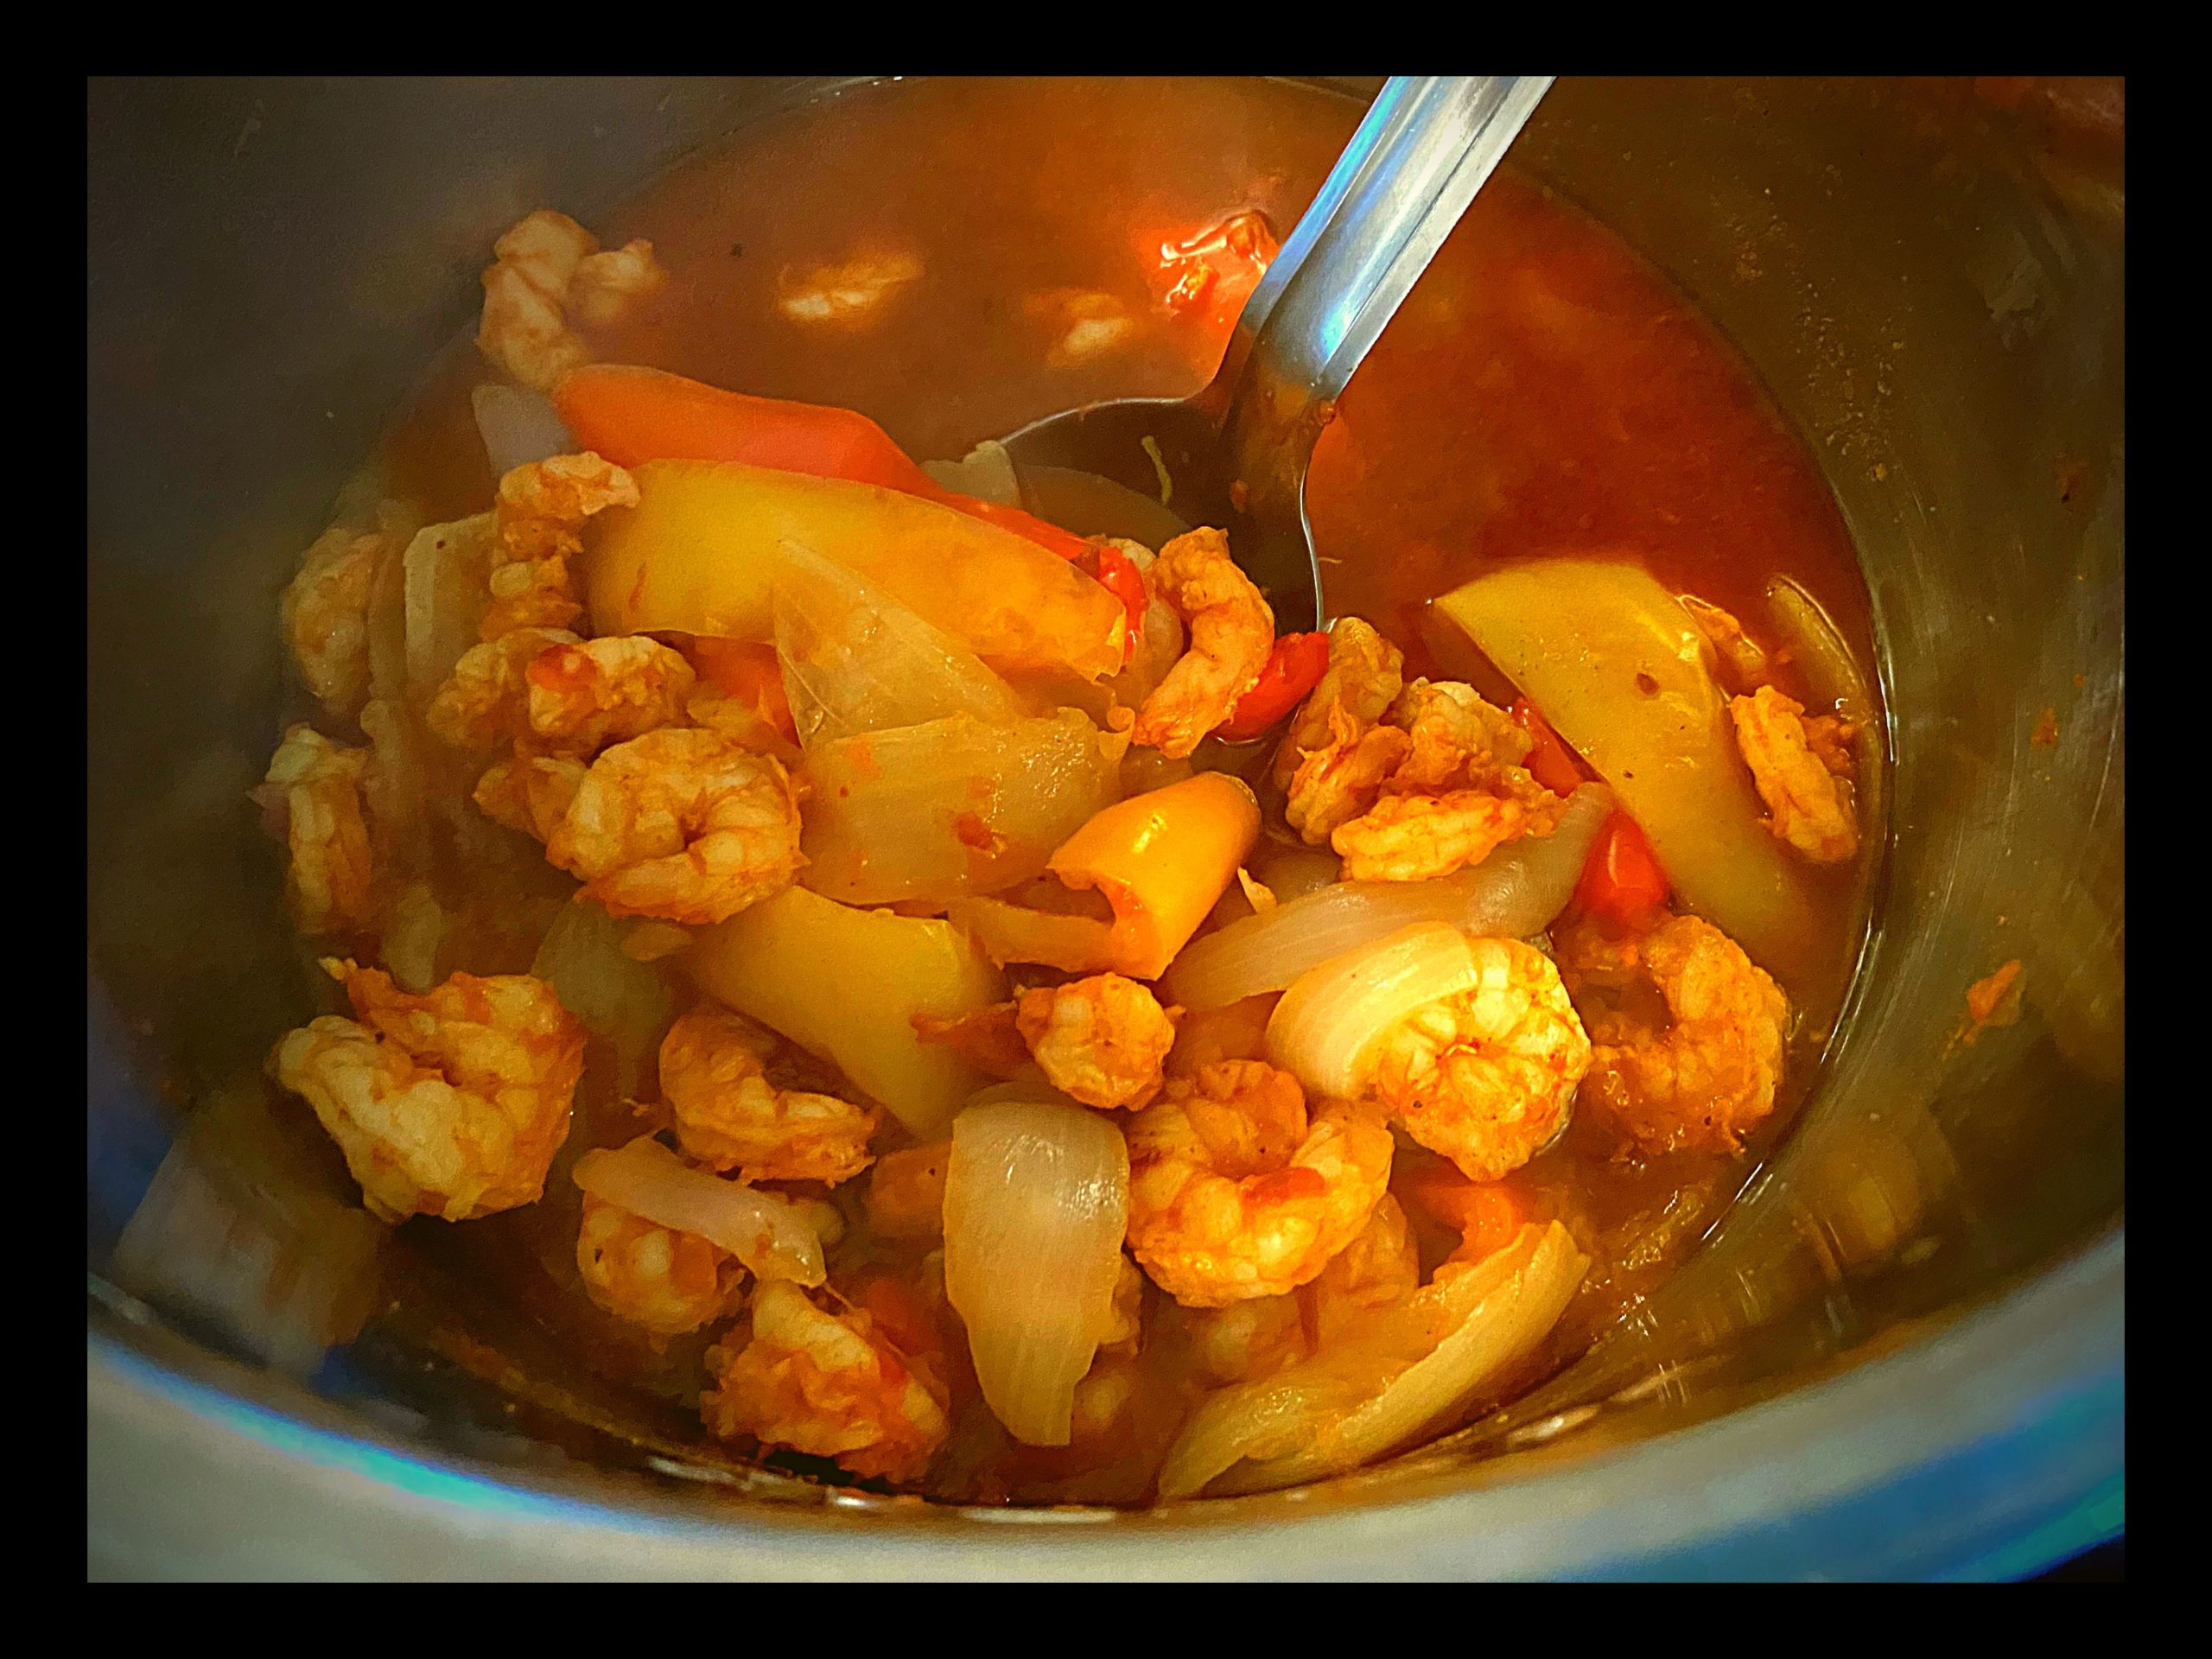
<point x="1236" y="453"/>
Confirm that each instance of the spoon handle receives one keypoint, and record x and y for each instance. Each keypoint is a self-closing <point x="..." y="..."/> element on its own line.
<point x="1426" y="145"/>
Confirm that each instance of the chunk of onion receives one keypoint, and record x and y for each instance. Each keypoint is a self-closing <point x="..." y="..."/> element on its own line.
<point x="856" y="660"/>
<point x="447" y="573"/>
<point x="1324" y="1029"/>
<point x="618" y="997"/>
<point x="519" y="426"/>
<point x="763" y="1230"/>
<point x="1513" y="893"/>
<point x="1385" y="1379"/>
<point x="985" y="471"/>
<point x="1036" y="1206"/>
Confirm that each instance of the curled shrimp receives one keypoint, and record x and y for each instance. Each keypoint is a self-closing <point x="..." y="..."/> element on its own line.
<point x="1339" y="781"/>
<point x="1455" y="739"/>
<point x="667" y="1281"/>
<point x="1235" y="1192"/>
<point x="1101" y="1040"/>
<point x="546" y="269"/>
<point x="485" y="701"/>
<point x="1335" y="758"/>
<point x="1742" y="654"/>
<point x="325" y="616"/>
<point x="449" y="1103"/>
<point x="1413" y="837"/>
<point x="531" y="793"/>
<point x="1809" y="806"/>
<point x="539" y="515"/>
<point x="330" y="876"/>
<point x="1702" y="1072"/>
<point x="587" y="694"/>
<point x="1486" y="1076"/>
<point x="829" y="1384"/>
<point x="682" y="825"/>
<point x="1232" y="631"/>
<point x="1250" y="1340"/>
<point x="728" y="1116"/>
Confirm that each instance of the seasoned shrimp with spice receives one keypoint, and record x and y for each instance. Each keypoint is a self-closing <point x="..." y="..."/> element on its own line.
<point x="540" y="515"/>
<point x="714" y="1071"/>
<point x="1487" y="1076"/>
<point x="316" y="787"/>
<point x="546" y="271"/>
<point x="1235" y="1192"/>
<point x="682" y="825"/>
<point x="1232" y="631"/>
<point x="325" y="614"/>
<point x="1336" y="755"/>
<point x="531" y="793"/>
<point x="667" y="1281"/>
<point x="485" y="701"/>
<point x="829" y="1384"/>
<point x="1416" y="837"/>
<point x="449" y="1103"/>
<point x="585" y="695"/>
<point x="1101" y="1040"/>
<point x="1806" y="794"/>
<point x="1697" y="1071"/>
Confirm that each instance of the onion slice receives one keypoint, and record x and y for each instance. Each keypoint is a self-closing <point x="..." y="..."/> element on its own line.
<point x="1324" y="1029"/>
<point x="1386" y="1379"/>
<point x="519" y="426"/>
<point x="1036" y="1206"/>
<point x="1513" y="893"/>
<point x="762" y="1229"/>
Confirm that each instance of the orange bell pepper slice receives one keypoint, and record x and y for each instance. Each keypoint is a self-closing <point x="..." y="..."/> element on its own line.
<point x="1294" y="668"/>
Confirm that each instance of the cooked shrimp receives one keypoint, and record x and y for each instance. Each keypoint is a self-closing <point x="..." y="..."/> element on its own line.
<point x="1231" y="633"/>
<point x="1102" y="1041"/>
<point x="847" y="294"/>
<point x="585" y="695"/>
<point x="547" y="269"/>
<point x="713" y="1073"/>
<point x="829" y="1384"/>
<point x="330" y="881"/>
<point x="1455" y="738"/>
<point x="667" y="1281"/>
<point x="905" y="1191"/>
<point x="540" y="512"/>
<point x="1705" y="1074"/>
<point x="1487" y="1076"/>
<point x="325" y="614"/>
<point x="682" y="825"/>
<point x="1413" y="837"/>
<point x="1335" y="757"/>
<point x="485" y="701"/>
<point x="989" y="1038"/>
<point x="1809" y="807"/>
<point x="450" y="1104"/>
<point x="1235" y="1192"/>
<point x="531" y="793"/>
<point x="1745" y="660"/>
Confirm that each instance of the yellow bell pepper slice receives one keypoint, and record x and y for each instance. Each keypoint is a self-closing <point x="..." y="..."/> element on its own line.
<point x="1160" y="861"/>
<point x="846" y="984"/>
<point x="700" y="552"/>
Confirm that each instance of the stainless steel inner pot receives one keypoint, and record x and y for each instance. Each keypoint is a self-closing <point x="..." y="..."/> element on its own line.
<point x="1900" y="1353"/>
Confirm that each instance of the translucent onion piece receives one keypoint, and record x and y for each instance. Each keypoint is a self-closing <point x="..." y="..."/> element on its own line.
<point x="985" y="471"/>
<point x="1512" y="895"/>
<point x="617" y="997"/>
<point x="1385" y="1379"/>
<point x="1036" y="1206"/>
<point x="856" y="660"/>
<point x="763" y="1230"/>
<point x="1833" y="675"/>
<point x="519" y="426"/>
<point x="1326" y="1025"/>
<point x="952" y="807"/>
<point x="447" y="576"/>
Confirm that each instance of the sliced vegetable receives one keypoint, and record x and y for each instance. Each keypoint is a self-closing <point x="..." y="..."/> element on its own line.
<point x="626" y="1002"/>
<point x="856" y="660"/>
<point x="1513" y="894"/>
<point x="1388" y="1377"/>
<point x="1114" y="571"/>
<point x="1036" y="1205"/>
<point x="767" y="1231"/>
<point x="632" y="414"/>
<point x="1618" y="667"/>
<point x="701" y="552"/>
<point x="1623" y="883"/>
<point x="1833" y="676"/>
<point x="1550" y="762"/>
<point x="1160" y="859"/>
<point x="519" y="426"/>
<point x="950" y="807"/>
<point x="751" y="673"/>
<point x="1325" y="1030"/>
<point x="1486" y="1215"/>
<point x="985" y="473"/>
<point x="1294" y="668"/>
<point x="447" y="576"/>
<point x="845" y="984"/>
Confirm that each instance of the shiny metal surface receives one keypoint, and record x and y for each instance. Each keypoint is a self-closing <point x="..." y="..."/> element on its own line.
<point x="1900" y="1353"/>
<point x="1237" y="449"/>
